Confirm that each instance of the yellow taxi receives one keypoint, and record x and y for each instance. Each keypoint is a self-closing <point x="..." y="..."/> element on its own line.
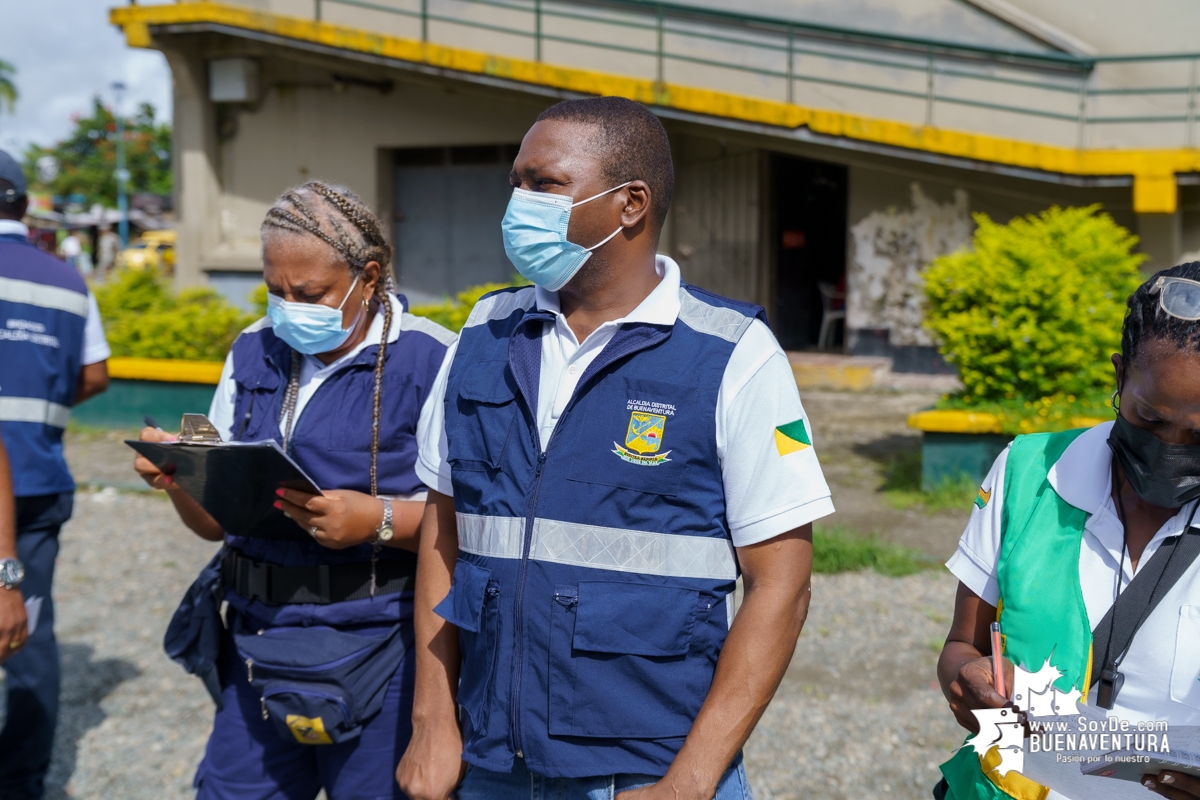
<point x="151" y="250"/>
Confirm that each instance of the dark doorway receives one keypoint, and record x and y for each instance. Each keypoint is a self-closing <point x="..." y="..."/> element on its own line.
<point x="809" y="230"/>
<point x="448" y="205"/>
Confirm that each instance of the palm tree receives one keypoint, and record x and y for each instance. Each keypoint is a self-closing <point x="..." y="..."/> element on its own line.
<point x="8" y="89"/>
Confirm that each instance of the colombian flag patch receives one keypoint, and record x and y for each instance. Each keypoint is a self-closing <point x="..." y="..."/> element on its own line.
<point x="982" y="498"/>
<point x="792" y="437"/>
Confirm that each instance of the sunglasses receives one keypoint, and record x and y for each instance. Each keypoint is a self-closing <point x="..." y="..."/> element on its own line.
<point x="1179" y="297"/>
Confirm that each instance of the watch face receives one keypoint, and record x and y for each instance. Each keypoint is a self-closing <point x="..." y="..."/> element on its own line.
<point x="386" y="533"/>
<point x="11" y="572"/>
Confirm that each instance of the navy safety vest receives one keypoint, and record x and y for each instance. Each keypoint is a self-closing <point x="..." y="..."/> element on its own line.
<point x="331" y="439"/>
<point x="43" y="312"/>
<point x="592" y="577"/>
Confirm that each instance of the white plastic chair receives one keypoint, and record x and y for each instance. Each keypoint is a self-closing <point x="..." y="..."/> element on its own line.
<point x="829" y="315"/>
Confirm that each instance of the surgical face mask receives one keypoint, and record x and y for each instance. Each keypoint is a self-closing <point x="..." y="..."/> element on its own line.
<point x="535" y="237"/>
<point x="1164" y="475"/>
<point x="310" y="328"/>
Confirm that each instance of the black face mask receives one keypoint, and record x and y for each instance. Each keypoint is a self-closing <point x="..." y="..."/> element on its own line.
<point x="1164" y="475"/>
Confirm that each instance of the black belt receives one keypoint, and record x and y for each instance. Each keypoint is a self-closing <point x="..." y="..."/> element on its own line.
<point x="328" y="583"/>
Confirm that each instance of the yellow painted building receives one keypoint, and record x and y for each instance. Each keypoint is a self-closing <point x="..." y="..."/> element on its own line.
<point x="822" y="148"/>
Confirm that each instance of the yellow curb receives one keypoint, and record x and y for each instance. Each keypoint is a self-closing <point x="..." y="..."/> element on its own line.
<point x="955" y="422"/>
<point x="165" y="369"/>
<point x="814" y="376"/>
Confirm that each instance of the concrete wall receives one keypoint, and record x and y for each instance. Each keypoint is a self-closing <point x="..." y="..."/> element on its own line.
<point x="901" y="217"/>
<point x="233" y="164"/>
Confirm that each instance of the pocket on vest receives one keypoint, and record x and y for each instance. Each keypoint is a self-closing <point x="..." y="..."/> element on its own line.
<point x="473" y="606"/>
<point x="640" y="435"/>
<point x="486" y="411"/>
<point x="349" y="430"/>
<point x="627" y="660"/>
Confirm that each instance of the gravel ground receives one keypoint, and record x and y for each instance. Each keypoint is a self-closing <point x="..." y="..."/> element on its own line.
<point x="132" y="723"/>
<point x="858" y="713"/>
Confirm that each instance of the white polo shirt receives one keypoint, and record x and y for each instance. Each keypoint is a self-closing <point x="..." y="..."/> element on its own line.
<point x="314" y="372"/>
<point x="767" y="492"/>
<point x="1162" y="668"/>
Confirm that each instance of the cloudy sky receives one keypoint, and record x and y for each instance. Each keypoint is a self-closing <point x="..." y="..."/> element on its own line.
<point x="66" y="52"/>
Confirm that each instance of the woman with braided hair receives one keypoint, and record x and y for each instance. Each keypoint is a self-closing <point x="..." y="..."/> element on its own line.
<point x="314" y="681"/>
<point x="1084" y="546"/>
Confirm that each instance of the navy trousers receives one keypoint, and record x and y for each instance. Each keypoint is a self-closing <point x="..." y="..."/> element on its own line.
<point x="33" y="673"/>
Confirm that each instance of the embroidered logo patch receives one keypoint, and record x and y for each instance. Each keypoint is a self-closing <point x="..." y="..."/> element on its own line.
<point x="982" y="498"/>
<point x="308" y="731"/>
<point x="792" y="437"/>
<point x="643" y="440"/>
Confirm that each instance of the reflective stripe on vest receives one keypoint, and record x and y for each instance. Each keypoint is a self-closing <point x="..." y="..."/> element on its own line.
<point x="663" y="554"/>
<point x="31" y="409"/>
<point x="43" y="296"/>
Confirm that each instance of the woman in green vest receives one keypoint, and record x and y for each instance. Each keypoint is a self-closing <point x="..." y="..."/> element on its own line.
<point x="1063" y="525"/>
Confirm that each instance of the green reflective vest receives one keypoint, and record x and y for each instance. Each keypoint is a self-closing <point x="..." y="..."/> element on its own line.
<point x="1041" y="608"/>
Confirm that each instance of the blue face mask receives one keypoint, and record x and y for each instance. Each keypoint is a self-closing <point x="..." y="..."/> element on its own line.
<point x="310" y="328"/>
<point x="535" y="237"/>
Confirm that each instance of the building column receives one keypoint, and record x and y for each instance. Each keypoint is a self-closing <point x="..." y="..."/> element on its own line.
<point x="197" y="187"/>
<point x="1161" y="238"/>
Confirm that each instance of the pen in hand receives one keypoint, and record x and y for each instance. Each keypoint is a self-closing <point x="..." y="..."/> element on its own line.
<point x="150" y="423"/>
<point x="998" y="660"/>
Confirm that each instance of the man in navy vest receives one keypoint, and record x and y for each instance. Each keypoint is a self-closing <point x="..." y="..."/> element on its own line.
<point x="615" y="448"/>
<point x="52" y="356"/>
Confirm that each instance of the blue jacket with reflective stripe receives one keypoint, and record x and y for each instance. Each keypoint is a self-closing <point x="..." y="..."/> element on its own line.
<point x="43" y="312"/>
<point x="331" y="440"/>
<point x="590" y="590"/>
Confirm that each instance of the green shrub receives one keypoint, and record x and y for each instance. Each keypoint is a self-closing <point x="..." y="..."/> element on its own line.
<point x="143" y="318"/>
<point x="258" y="299"/>
<point x="1034" y="309"/>
<point x="453" y="313"/>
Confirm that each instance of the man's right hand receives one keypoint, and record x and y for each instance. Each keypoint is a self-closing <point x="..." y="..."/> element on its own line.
<point x="150" y="473"/>
<point x="432" y="766"/>
<point x="14" y="624"/>
<point x="974" y="688"/>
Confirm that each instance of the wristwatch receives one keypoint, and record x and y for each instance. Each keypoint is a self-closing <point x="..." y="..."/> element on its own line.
<point x="385" y="531"/>
<point x="12" y="572"/>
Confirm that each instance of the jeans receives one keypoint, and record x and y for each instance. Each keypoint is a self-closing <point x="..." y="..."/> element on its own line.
<point x="521" y="784"/>
<point x="33" y="673"/>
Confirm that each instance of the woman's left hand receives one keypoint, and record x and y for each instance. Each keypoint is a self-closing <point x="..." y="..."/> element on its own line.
<point x="337" y="519"/>
<point x="1174" y="785"/>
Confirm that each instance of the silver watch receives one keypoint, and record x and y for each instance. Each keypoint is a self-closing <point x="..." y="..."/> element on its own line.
<point x="12" y="572"/>
<point x="385" y="531"/>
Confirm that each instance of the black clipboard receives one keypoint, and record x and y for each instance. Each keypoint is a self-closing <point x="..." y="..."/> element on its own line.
<point x="235" y="483"/>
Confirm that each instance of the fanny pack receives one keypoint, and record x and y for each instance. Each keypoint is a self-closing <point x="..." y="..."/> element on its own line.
<point x="320" y="685"/>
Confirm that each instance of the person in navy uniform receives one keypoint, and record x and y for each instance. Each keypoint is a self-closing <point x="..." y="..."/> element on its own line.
<point x="613" y="448"/>
<point x="315" y="677"/>
<point x="53" y="355"/>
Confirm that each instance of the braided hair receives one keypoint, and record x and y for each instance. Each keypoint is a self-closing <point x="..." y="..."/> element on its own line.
<point x="337" y="216"/>
<point x="1146" y="321"/>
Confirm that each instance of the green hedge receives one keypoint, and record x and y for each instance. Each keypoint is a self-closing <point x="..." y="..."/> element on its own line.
<point x="144" y="318"/>
<point x="1032" y="312"/>
<point x="453" y="313"/>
